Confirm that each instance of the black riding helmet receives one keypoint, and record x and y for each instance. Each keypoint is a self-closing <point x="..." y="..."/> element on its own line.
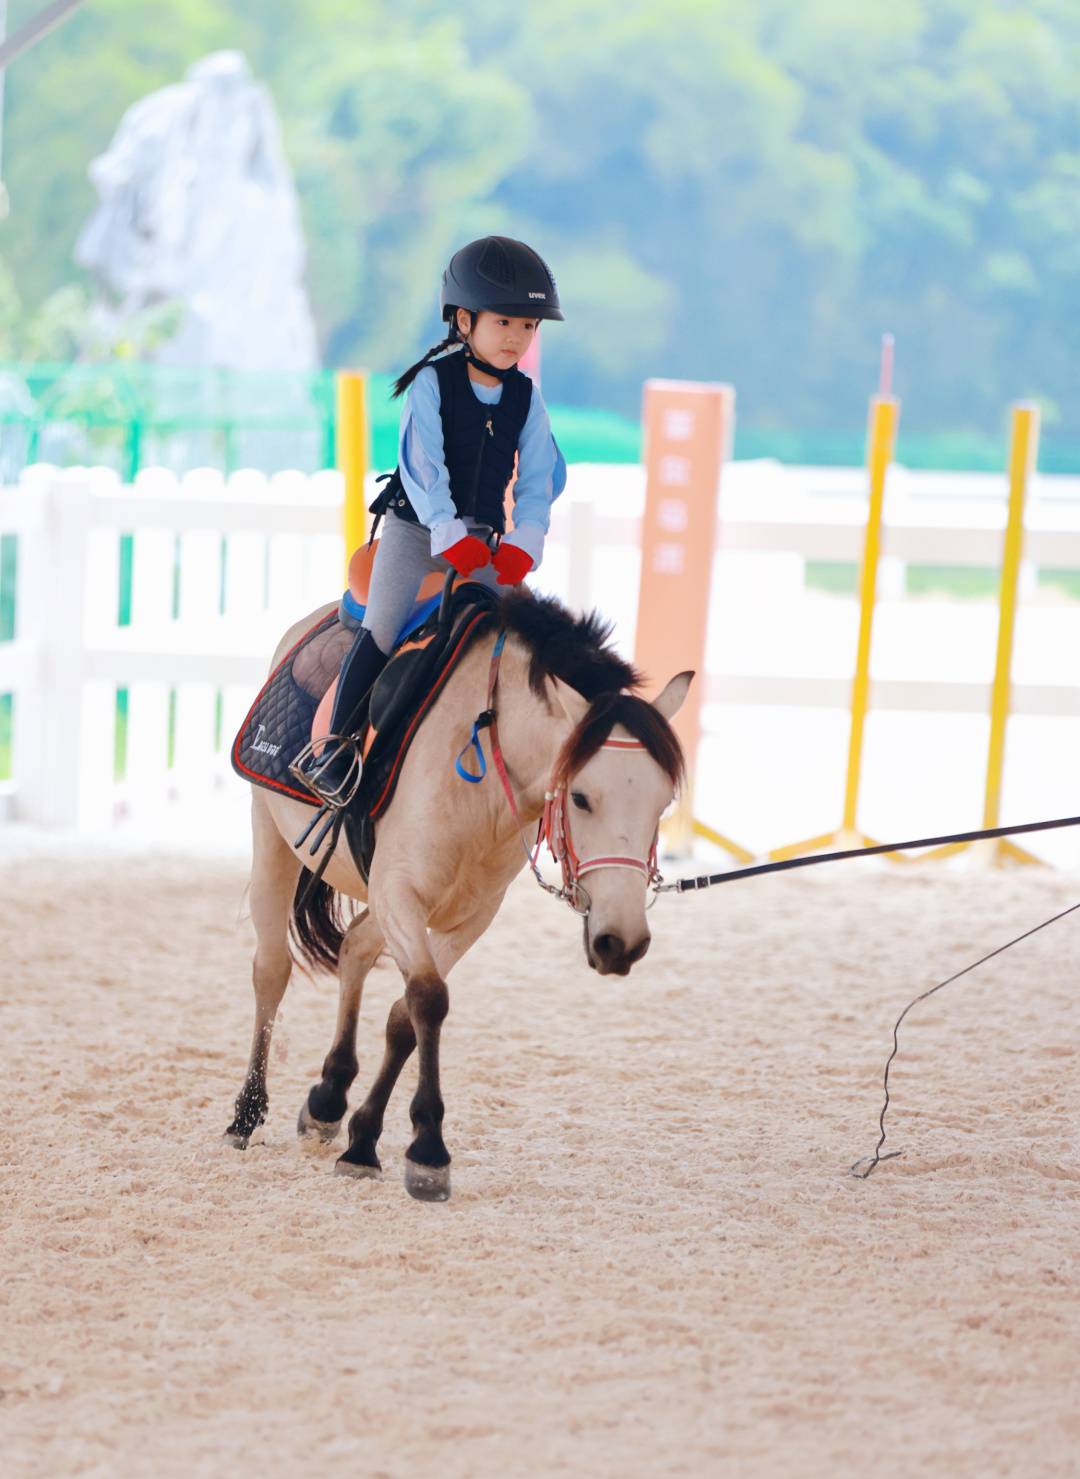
<point x="500" y="275"/>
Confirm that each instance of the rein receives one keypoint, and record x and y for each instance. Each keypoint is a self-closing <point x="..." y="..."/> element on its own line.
<point x="554" y="827"/>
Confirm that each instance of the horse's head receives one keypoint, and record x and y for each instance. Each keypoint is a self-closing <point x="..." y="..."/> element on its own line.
<point x="615" y="776"/>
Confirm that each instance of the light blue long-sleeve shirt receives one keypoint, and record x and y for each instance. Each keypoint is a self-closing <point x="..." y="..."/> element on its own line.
<point x="541" y="467"/>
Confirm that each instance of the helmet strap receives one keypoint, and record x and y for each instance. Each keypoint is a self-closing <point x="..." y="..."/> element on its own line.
<point x="470" y="354"/>
<point x="483" y="366"/>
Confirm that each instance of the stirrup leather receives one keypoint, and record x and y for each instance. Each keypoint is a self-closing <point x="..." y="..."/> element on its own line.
<point x="330" y="748"/>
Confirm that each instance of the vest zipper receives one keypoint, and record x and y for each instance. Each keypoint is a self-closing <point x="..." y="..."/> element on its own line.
<point x="479" y="459"/>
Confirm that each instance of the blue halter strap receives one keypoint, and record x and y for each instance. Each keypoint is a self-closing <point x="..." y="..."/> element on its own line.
<point x="482" y="721"/>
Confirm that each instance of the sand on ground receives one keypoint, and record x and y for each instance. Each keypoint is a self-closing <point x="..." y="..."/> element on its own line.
<point x="654" y="1261"/>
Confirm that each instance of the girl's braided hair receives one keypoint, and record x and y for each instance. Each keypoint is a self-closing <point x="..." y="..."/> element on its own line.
<point x="402" y="383"/>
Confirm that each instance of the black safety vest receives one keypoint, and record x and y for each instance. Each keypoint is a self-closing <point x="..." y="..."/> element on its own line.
<point x="479" y="444"/>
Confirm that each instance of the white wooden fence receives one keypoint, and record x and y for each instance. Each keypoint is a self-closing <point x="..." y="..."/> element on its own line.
<point x="221" y="569"/>
<point x="767" y="648"/>
<point x="219" y="572"/>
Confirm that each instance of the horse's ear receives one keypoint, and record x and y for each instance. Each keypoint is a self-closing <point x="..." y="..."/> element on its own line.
<point x="568" y="701"/>
<point x="674" y="695"/>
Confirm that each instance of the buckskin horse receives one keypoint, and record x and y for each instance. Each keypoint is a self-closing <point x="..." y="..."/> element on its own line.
<point x="573" y="747"/>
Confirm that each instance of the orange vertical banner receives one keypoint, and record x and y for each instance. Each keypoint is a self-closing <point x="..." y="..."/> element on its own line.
<point x="688" y="431"/>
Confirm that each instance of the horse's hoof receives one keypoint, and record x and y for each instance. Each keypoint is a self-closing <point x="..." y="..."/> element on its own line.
<point x="236" y="1139"/>
<point x="342" y="1167"/>
<point x="427" y="1183"/>
<point x="309" y="1128"/>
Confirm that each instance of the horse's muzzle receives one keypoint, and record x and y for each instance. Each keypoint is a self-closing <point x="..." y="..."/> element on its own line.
<point x="609" y="954"/>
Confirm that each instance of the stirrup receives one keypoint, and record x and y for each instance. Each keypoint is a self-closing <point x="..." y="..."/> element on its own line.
<point x="337" y="796"/>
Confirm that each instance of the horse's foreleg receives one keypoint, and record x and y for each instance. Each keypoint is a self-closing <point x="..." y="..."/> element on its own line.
<point x="274" y="871"/>
<point x="415" y="1021"/>
<point x="325" y="1106"/>
<point x="427" y="1160"/>
<point x="365" y="1127"/>
<point x="403" y="921"/>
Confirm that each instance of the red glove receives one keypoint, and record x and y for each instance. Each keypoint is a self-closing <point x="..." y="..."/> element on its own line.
<point x="467" y="555"/>
<point x="512" y="563"/>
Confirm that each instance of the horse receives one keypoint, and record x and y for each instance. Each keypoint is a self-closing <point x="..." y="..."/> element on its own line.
<point x="574" y="744"/>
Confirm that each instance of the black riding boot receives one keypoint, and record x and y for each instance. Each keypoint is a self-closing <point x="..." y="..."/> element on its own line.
<point x="362" y="664"/>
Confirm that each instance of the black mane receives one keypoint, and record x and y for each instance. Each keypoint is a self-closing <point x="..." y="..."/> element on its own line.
<point x="574" y="648"/>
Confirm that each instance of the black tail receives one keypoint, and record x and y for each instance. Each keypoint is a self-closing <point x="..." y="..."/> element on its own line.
<point x="318" y="923"/>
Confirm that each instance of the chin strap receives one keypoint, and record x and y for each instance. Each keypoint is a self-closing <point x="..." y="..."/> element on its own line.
<point x="482" y="365"/>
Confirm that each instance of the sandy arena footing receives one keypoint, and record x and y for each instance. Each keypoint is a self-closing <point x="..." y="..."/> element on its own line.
<point x="654" y="1261"/>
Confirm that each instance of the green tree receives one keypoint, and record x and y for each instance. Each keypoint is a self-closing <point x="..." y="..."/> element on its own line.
<point x="748" y="190"/>
<point x="63" y="101"/>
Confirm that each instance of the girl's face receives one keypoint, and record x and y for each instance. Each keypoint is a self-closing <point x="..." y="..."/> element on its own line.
<point x="498" y="340"/>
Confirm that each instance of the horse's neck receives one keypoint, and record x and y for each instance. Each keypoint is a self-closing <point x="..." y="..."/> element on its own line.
<point x="531" y="732"/>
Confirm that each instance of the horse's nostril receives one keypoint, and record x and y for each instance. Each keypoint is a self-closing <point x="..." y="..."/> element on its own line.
<point x="634" y="955"/>
<point x="608" y="947"/>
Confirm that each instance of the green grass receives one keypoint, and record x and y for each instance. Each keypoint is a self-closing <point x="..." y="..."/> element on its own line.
<point x="962" y="582"/>
<point x="174" y="603"/>
<point x="120" y="735"/>
<point x="127" y="561"/>
<point x="120" y="745"/>
<point x="956" y="582"/>
<point x="8" y="558"/>
<point x="7" y="706"/>
<point x="1066" y="582"/>
<point x="834" y="577"/>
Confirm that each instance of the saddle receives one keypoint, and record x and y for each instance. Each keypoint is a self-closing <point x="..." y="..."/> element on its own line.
<point x="294" y="704"/>
<point x="401" y="699"/>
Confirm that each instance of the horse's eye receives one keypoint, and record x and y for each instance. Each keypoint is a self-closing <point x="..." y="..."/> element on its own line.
<point x="580" y="800"/>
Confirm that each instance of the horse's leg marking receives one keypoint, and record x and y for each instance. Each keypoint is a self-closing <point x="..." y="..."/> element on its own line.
<point x="274" y="872"/>
<point x="427" y="1160"/>
<point x="428" y="1002"/>
<point x="328" y="1099"/>
<point x="366" y="1125"/>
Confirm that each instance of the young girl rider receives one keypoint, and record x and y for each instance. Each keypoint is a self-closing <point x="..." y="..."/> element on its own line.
<point x="469" y="410"/>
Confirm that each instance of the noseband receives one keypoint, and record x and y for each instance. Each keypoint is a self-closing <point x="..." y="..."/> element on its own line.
<point x="554" y="826"/>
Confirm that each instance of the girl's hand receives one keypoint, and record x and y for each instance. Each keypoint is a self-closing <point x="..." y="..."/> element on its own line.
<point x="467" y="555"/>
<point x="512" y="563"/>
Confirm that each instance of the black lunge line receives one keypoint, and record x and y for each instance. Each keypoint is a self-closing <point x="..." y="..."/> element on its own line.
<point x="872" y="1161"/>
<point x="684" y="885"/>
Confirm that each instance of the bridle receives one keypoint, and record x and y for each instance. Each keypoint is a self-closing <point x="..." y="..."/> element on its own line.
<point x="555" y="831"/>
<point x="554" y="828"/>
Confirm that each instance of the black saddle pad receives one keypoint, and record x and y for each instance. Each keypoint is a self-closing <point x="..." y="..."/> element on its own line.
<point x="278" y="725"/>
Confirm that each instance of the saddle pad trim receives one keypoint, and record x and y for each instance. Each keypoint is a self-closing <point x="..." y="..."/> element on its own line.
<point x="237" y="763"/>
<point x="420" y="614"/>
<point x="391" y="780"/>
